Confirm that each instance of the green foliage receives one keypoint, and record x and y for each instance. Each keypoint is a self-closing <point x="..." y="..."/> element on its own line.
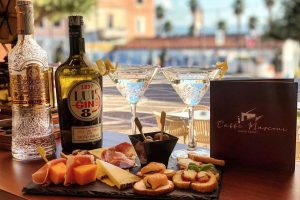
<point x="269" y="3"/>
<point x="160" y="12"/>
<point x="222" y="25"/>
<point x="288" y="26"/>
<point x="203" y="167"/>
<point x="56" y="9"/>
<point x="193" y="4"/>
<point x="252" y="22"/>
<point x="168" y="27"/>
<point x="191" y="30"/>
<point x="238" y="7"/>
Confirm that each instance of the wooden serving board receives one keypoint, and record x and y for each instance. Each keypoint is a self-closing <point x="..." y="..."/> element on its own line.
<point x="98" y="189"/>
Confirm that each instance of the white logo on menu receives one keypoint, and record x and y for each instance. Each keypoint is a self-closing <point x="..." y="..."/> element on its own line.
<point x="246" y="116"/>
<point x="248" y="122"/>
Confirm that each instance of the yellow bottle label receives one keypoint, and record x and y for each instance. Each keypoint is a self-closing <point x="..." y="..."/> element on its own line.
<point x="30" y="86"/>
<point x="84" y="100"/>
<point x="83" y="134"/>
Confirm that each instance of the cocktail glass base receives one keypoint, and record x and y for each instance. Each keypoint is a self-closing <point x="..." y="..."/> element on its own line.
<point x="183" y="153"/>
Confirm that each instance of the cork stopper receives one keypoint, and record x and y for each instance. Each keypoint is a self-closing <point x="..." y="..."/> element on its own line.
<point x="25" y="20"/>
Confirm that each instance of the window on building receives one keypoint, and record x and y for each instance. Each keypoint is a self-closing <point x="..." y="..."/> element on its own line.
<point x="110" y="21"/>
<point x="140" y="25"/>
<point x="57" y="23"/>
<point x="139" y="1"/>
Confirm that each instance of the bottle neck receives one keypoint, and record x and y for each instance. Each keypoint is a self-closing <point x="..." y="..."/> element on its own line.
<point x="77" y="46"/>
<point x="25" y="20"/>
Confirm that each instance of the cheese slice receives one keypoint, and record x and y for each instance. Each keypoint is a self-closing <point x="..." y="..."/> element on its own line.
<point x="120" y="177"/>
<point x="101" y="175"/>
<point x="107" y="181"/>
<point x="100" y="172"/>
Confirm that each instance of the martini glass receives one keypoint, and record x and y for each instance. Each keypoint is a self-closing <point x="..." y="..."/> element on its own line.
<point x="132" y="82"/>
<point x="191" y="84"/>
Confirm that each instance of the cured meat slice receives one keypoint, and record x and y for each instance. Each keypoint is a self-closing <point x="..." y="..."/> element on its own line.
<point x="74" y="161"/>
<point x="42" y="175"/>
<point x="117" y="158"/>
<point x="126" y="149"/>
<point x="122" y="155"/>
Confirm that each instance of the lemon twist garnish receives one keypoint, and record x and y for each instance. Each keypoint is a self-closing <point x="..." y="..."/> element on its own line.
<point x="42" y="152"/>
<point x="105" y="67"/>
<point x="223" y="67"/>
<point x="110" y="66"/>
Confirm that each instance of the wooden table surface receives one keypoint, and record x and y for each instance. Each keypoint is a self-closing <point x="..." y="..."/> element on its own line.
<point x="237" y="183"/>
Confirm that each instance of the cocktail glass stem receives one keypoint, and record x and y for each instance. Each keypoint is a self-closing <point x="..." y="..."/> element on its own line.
<point x="192" y="145"/>
<point x="133" y="114"/>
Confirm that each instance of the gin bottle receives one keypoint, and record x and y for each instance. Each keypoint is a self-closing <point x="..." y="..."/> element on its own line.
<point x="79" y="95"/>
<point x="28" y="72"/>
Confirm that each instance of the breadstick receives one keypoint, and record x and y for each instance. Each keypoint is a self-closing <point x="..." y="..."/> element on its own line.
<point x="204" y="159"/>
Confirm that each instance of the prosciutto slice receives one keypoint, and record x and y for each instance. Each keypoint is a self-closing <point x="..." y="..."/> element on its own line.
<point x="117" y="158"/>
<point x="74" y="161"/>
<point x="126" y="149"/>
<point x="42" y="175"/>
<point x="122" y="155"/>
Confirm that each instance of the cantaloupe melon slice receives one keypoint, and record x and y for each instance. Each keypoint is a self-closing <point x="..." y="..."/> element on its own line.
<point x="85" y="174"/>
<point x="57" y="173"/>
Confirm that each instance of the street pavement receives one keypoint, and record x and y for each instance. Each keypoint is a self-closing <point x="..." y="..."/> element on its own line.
<point x="160" y="96"/>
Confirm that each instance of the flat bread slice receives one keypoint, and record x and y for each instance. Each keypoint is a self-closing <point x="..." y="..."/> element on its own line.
<point x="209" y="186"/>
<point x="140" y="188"/>
<point x="179" y="182"/>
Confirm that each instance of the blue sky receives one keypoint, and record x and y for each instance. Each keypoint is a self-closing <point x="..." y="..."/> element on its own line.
<point x="177" y="11"/>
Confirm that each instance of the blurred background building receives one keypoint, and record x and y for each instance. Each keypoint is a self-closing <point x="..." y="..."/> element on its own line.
<point x="258" y="38"/>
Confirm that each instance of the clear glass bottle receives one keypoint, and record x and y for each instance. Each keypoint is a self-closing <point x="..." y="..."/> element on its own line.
<point x="28" y="71"/>
<point x="79" y="95"/>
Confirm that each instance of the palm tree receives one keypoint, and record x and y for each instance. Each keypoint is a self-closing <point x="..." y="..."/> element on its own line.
<point x="222" y="26"/>
<point x="252" y="23"/>
<point x="55" y="10"/>
<point x="160" y="14"/>
<point x="168" y="27"/>
<point x="238" y="8"/>
<point x="270" y="4"/>
<point x="220" y="33"/>
<point x="193" y="4"/>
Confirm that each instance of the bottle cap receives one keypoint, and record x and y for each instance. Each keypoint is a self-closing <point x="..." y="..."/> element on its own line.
<point x="75" y="21"/>
<point x="23" y="2"/>
<point x="76" y="26"/>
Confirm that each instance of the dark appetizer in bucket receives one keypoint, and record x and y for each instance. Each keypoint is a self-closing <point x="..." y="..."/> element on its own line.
<point x="153" y="147"/>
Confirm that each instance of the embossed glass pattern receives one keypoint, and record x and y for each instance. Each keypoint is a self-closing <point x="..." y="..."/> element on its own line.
<point x="29" y="84"/>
